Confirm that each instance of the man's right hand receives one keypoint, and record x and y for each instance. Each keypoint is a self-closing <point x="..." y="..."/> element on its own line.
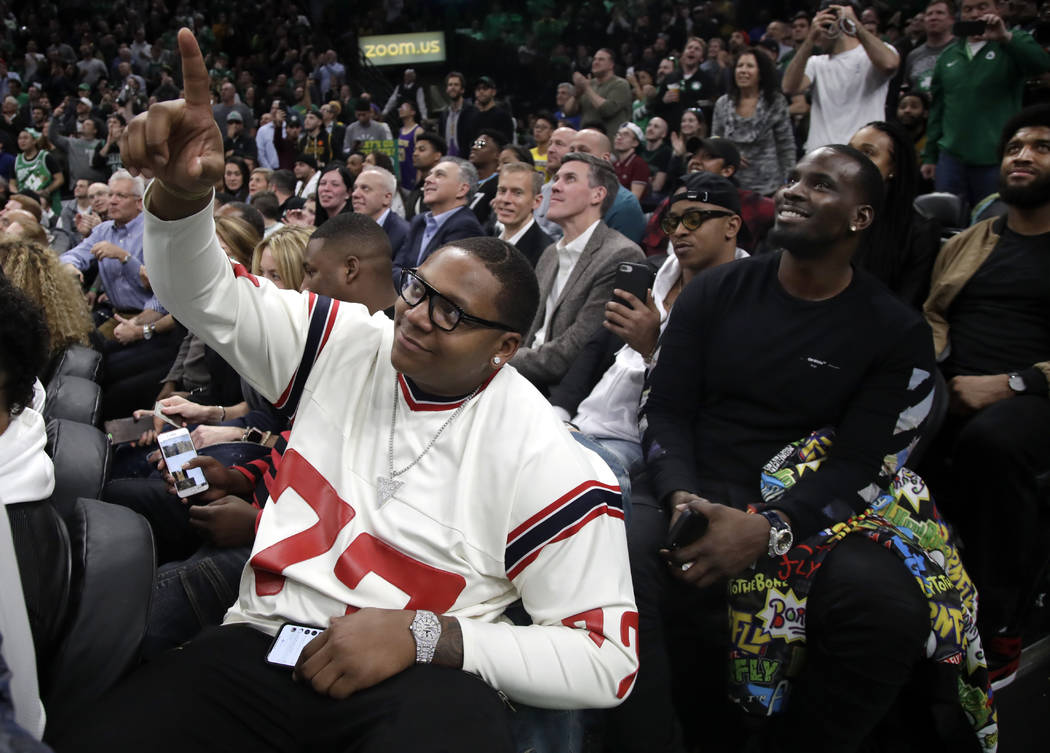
<point x="222" y="481"/>
<point x="178" y="142"/>
<point x="929" y="172"/>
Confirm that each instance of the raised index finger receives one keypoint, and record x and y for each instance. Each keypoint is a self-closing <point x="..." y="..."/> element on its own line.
<point x="194" y="73"/>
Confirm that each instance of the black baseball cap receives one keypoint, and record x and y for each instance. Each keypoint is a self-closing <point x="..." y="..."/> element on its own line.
<point x="294" y="121"/>
<point x="710" y="189"/>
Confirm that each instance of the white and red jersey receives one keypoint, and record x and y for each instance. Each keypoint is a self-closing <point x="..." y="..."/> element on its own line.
<point x="505" y="505"/>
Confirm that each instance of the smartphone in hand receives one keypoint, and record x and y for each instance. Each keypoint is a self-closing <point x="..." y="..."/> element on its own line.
<point x="636" y="279"/>
<point x="964" y="29"/>
<point x="689" y="527"/>
<point x="177" y="449"/>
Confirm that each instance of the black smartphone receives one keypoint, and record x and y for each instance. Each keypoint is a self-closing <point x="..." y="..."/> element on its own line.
<point x="689" y="527"/>
<point x="635" y="278"/>
<point x="969" y="28"/>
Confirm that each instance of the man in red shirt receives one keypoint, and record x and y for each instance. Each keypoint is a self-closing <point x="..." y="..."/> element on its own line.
<point x="631" y="168"/>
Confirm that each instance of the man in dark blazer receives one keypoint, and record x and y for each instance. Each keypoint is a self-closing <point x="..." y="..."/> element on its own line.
<point x="447" y="191"/>
<point x="517" y="197"/>
<point x="456" y="122"/>
<point x="576" y="274"/>
<point x="373" y="193"/>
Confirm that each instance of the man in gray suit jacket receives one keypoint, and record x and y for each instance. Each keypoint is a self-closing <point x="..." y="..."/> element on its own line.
<point x="576" y="274"/>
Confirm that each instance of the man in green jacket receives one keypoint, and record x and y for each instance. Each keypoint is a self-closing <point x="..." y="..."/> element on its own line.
<point x="977" y="85"/>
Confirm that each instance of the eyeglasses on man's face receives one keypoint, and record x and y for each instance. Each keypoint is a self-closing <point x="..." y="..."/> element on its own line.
<point x="444" y="314"/>
<point x="691" y="219"/>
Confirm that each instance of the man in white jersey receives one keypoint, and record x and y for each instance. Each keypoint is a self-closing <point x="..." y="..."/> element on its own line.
<point x="425" y="488"/>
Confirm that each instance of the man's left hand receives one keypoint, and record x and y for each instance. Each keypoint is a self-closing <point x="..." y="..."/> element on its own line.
<point x="580" y="81"/>
<point x="358" y="651"/>
<point x="228" y="521"/>
<point x="970" y="394"/>
<point x="734" y="540"/>
<point x="106" y="250"/>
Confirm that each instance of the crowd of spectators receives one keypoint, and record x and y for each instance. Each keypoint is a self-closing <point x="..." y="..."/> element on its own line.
<point x="661" y="140"/>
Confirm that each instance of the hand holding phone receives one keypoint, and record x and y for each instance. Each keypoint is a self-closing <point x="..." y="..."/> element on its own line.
<point x="289" y="643"/>
<point x="687" y="529"/>
<point x="636" y="279"/>
<point x="177" y="449"/>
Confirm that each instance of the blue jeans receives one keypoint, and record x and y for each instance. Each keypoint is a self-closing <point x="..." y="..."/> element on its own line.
<point x="189" y="596"/>
<point x="620" y="455"/>
<point x="971" y="182"/>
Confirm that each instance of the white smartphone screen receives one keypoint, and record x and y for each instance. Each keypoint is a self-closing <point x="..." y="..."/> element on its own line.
<point x="177" y="449"/>
<point x="289" y="643"/>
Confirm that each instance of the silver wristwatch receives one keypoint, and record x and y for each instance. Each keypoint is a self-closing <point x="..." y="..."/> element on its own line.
<point x="780" y="536"/>
<point x="1016" y="383"/>
<point x="426" y="629"/>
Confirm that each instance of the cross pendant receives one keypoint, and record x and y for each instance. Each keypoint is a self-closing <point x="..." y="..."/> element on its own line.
<point x="387" y="488"/>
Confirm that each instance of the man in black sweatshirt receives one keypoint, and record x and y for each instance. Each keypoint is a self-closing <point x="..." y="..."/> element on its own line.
<point x="758" y="354"/>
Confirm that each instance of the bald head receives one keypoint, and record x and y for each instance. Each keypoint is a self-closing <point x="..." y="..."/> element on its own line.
<point x="589" y="141"/>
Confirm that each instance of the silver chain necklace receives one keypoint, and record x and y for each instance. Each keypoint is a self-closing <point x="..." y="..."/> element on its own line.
<point x="386" y="487"/>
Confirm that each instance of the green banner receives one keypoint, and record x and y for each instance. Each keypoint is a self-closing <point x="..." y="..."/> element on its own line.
<point x="386" y="146"/>
<point x="401" y="49"/>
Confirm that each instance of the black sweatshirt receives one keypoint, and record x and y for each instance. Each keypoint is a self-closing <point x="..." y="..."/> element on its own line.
<point x="745" y="368"/>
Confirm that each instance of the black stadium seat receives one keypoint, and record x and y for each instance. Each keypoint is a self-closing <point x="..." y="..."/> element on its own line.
<point x="87" y="571"/>
<point x="78" y="361"/>
<point x="73" y="398"/>
<point x="947" y="209"/>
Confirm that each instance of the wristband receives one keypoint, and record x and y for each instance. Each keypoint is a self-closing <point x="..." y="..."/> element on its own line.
<point x="183" y="195"/>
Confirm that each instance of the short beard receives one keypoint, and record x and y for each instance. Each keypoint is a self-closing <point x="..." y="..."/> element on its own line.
<point x="1031" y="196"/>
<point x="799" y="244"/>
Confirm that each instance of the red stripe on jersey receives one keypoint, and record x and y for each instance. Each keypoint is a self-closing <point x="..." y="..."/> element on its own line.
<point x="556" y="504"/>
<point x="417" y="404"/>
<point x="595" y="513"/>
<point x="328" y="326"/>
<point x="240" y="271"/>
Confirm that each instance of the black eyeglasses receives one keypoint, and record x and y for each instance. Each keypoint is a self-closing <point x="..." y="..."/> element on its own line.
<point x="691" y="218"/>
<point x="444" y="314"/>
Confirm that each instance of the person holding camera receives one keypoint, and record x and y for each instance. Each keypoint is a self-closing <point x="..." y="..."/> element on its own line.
<point x="977" y="85"/>
<point x="849" y="82"/>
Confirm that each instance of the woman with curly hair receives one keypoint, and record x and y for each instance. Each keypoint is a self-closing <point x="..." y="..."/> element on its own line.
<point x="754" y="116"/>
<point x="279" y="258"/>
<point x="34" y="269"/>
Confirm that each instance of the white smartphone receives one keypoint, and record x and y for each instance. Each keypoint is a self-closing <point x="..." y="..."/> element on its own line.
<point x="290" y="641"/>
<point x="177" y="449"/>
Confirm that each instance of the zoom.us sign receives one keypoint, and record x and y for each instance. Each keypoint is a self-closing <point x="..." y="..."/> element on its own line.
<point x="401" y="49"/>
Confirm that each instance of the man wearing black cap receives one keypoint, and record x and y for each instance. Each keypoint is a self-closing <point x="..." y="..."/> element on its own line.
<point x="237" y="142"/>
<point x="365" y="128"/>
<point x="286" y="142"/>
<point x="488" y="115"/>
<point x="720" y="157"/>
<point x="306" y="175"/>
<point x="315" y="140"/>
<point x="600" y="393"/>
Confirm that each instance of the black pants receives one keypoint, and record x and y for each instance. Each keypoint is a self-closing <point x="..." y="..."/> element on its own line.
<point x="132" y="374"/>
<point x="982" y="470"/>
<point x="866" y="627"/>
<point x="217" y="694"/>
